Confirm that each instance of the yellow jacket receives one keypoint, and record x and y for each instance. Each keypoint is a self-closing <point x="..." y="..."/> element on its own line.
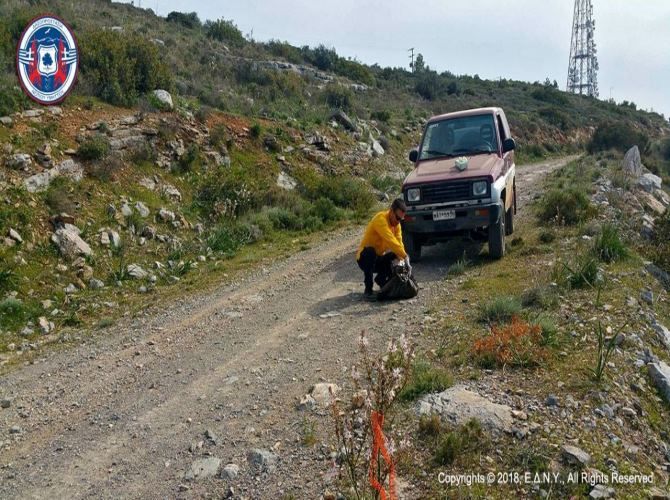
<point x="382" y="237"/>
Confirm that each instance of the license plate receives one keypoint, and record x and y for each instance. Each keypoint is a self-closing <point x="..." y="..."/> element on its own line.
<point x="444" y="214"/>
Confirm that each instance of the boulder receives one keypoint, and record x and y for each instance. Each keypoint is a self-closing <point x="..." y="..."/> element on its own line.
<point x="203" y="468"/>
<point x="575" y="456"/>
<point x="19" y="161"/>
<point x="377" y="149"/>
<point x="164" y="98"/>
<point x="341" y="117"/>
<point x="69" y="243"/>
<point x="285" y="181"/>
<point x="135" y="271"/>
<point x="457" y="405"/>
<point x="262" y="460"/>
<point x="6" y="121"/>
<point x="663" y="334"/>
<point x="321" y="393"/>
<point x="660" y="374"/>
<point x="39" y="182"/>
<point x="142" y="209"/>
<point x="632" y="163"/>
<point x="650" y="182"/>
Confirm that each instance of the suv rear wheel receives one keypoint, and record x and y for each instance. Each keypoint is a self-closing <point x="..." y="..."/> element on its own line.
<point x="412" y="246"/>
<point x="497" y="237"/>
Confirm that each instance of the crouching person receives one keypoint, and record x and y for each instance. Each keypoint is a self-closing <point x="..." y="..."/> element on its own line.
<point x="382" y="246"/>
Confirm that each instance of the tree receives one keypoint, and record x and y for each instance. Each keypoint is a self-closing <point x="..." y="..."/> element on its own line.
<point x="47" y="60"/>
<point x="189" y="20"/>
<point x="419" y="64"/>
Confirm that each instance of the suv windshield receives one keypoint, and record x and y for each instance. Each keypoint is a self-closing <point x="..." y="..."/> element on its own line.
<point x="460" y="136"/>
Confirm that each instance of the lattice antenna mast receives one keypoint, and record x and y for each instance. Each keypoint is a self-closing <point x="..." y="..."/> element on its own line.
<point x="583" y="66"/>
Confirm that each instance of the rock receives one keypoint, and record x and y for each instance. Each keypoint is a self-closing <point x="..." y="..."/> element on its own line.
<point x="575" y="456"/>
<point x="662" y="276"/>
<point x="166" y="215"/>
<point x="13" y="234"/>
<point x="632" y="163"/>
<point x="45" y="325"/>
<point x="457" y="405"/>
<point x="211" y="436"/>
<point x="341" y="117"/>
<point x="262" y="460"/>
<point x="651" y="202"/>
<point x="203" y="468"/>
<point x="15" y="429"/>
<point x="551" y="400"/>
<point x="70" y="289"/>
<point x="149" y="232"/>
<point x="321" y="393"/>
<point x="658" y="494"/>
<point x="95" y="284"/>
<point x="164" y="98"/>
<point x="114" y="239"/>
<point x="377" y="149"/>
<point x="602" y="491"/>
<point x="650" y="182"/>
<point x="85" y="272"/>
<point x="68" y="168"/>
<point x="647" y="296"/>
<point x="148" y="183"/>
<point x="126" y="210"/>
<point x="19" y="161"/>
<point x="6" y="121"/>
<point x="659" y="372"/>
<point x="142" y="209"/>
<point x="285" y="181"/>
<point x="170" y="191"/>
<point x="663" y="334"/>
<point x="5" y="403"/>
<point x="104" y="238"/>
<point x="136" y="272"/>
<point x="32" y="113"/>
<point x="307" y="402"/>
<point x="230" y="471"/>
<point x="69" y="243"/>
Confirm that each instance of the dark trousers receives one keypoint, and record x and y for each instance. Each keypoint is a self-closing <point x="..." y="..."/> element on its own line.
<point x="370" y="263"/>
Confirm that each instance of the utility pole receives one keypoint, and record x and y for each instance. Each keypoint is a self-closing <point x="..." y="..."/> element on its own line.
<point x="583" y="65"/>
<point x="411" y="64"/>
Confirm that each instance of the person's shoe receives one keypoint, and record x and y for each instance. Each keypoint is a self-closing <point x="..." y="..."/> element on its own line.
<point x="369" y="295"/>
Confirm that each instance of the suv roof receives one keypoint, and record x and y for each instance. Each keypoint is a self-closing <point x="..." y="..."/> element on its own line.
<point x="469" y="112"/>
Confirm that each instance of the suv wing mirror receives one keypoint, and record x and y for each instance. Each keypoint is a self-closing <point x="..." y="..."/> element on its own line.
<point x="509" y="145"/>
<point x="413" y="155"/>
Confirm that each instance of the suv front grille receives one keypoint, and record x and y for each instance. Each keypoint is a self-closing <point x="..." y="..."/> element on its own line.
<point x="441" y="193"/>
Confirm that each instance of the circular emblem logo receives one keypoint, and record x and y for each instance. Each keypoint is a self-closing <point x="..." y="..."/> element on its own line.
<point x="47" y="60"/>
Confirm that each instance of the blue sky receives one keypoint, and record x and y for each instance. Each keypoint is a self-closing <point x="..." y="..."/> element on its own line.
<point x="519" y="39"/>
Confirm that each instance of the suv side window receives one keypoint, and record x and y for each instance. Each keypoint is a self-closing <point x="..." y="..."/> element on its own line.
<point x="501" y="128"/>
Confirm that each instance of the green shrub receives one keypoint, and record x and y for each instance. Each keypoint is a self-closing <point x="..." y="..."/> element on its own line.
<point x="337" y="96"/>
<point x="382" y="116"/>
<point x="555" y="116"/>
<point x="425" y="379"/>
<point x="11" y="98"/>
<point x="608" y="246"/>
<point x="585" y="273"/>
<point x="225" y="31"/>
<point x="429" y="85"/>
<point x="547" y="237"/>
<point x="95" y="147"/>
<point x="345" y="192"/>
<point x="456" y="445"/>
<point x="58" y="197"/>
<point x="187" y="19"/>
<point x="255" y="130"/>
<point x="548" y="331"/>
<point x="13" y="313"/>
<point x="430" y="425"/>
<point x="617" y="135"/>
<point x="326" y="210"/>
<point x="541" y="297"/>
<point x="566" y="206"/>
<point x="118" y="68"/>
<point x="229" y="238"/>
<point x="500" y="309"/>
<point x="660" y="247"/>
<point x="551" y="95"/>
<point x="190" y="159"/>
<point x="459" y="267"/>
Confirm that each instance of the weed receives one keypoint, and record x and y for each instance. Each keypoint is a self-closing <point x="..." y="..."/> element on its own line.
<point x="586" y="274"/>
<point x="457" y="444"/>
<point x="104" y="323"/>
<point x="8" y="280"/>
<point x="255" y="130"/>
<point x="541" y="297"/>
<point x="608" y="246"/>
<point x="547" y="237"/>
<point x="308" y="432"/>
<point x="425" y="379"/>
<point x="228" y="239"/>
<point x="500" y="310"/>
<point x="516" y="344"/>
<point x="94" y="148"/>
<point x="13" y="312"/>
<point x="459" y="267"/>
<point x="565" y="206"/>
<point x="430" y="425"/>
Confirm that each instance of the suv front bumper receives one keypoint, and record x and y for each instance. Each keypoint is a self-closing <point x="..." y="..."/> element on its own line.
<point x="421" y="221"/>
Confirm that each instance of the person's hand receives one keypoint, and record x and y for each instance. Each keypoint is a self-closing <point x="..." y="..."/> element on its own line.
<point x="409" y="266"/>
<point x="398" y="262"/>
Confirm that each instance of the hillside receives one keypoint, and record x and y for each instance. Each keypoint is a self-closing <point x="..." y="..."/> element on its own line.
<point x="176" y="272"/>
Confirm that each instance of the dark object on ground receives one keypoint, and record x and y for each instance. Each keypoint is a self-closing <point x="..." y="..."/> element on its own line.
<point x="402" y="285"/>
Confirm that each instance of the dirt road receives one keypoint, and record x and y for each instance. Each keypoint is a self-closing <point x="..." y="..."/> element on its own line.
<point x="125" y="415"/>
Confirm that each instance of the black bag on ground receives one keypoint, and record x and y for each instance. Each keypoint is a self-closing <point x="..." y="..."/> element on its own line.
<point x="402" y="285"/>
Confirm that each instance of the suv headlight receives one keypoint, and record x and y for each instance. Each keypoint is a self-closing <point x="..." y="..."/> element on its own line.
<point x="413" y="195"/>
<point x="479" y="188"/>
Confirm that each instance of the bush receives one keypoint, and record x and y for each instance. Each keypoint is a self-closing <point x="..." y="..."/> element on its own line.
<point x="455" y="445"/>
<point x="94" y="148"/>
<point x="618" y="135"/>
<point x="345" y="192"/>
<point x="188" y="20"/>
<point x="555" y="116"/>
<point x="500" y="310"/>
<point x="541" y="297"/>
<point x="608" y="246"/>
<point x="430" y="425"/>
<point x="585" y="274"/>
<point x="547" y="237"/>
<point x="660" y="252"/>
<point x="229" y="238"/>
<point x="429" y="85"/>
<point x="225" y="31"/>
<point x="337" y="96"/>
<point x="118" y="68"/>
<point x="516" y="344"/>
<point x="255" y="130"/>
<point x="425" y="379"/>
<point x="11" y="99"/>
<point x="57" y="196"/>
<point x="565" y="206"/>
<point x="13" y="313"/>
<point x="551" y="95"/>
<point x="326" y="210"/>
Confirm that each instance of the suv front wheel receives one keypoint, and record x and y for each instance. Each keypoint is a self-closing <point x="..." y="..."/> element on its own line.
<point x="497" y="237"/>
<point x="412" y="246"/>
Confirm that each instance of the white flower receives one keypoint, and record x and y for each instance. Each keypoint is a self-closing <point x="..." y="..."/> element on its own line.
<point x="392" y="347"/>
<point x="363" y="340"/>
<point x="397" y="373"/>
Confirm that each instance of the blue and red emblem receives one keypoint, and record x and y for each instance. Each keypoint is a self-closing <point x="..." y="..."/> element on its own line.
<point x="47" y="60"/>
